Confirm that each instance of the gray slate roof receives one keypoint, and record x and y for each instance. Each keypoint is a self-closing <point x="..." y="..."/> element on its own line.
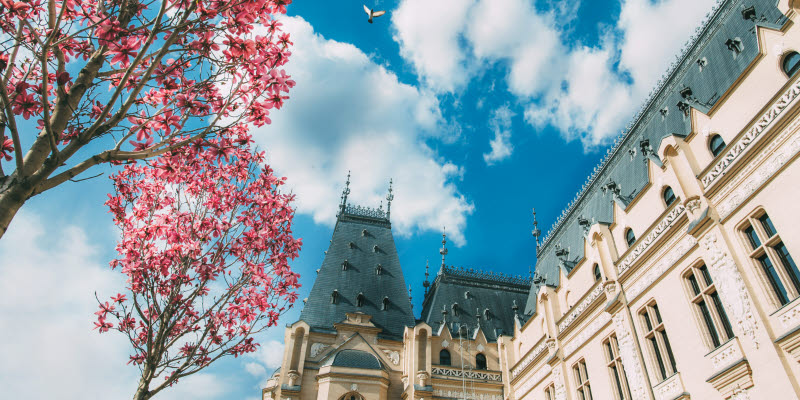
<point x="354" y="359"/>
<point x="365" y="229"/>
<point x="727" y="44"/>
<point x="495" y="292"/>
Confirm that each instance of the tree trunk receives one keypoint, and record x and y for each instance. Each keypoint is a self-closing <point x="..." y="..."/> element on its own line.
<point x="143" y="391"/>
<point x="11" y="200"/>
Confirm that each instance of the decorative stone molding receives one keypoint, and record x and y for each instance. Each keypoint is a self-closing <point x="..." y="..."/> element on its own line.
<point x="630" y="359"/>
<point x="610" y="287"/>
<point x="529" y="358"/>
<point x="580" y="308"/>
<point x="693" y="205"/>
<point x="293" y="377"/>
<point x="587" y="333"/>
<point x="531" y="381"/>
<point x="753" y="134"/>
<point x="730" y="286"/>
<point x="393" y="356"/>
<point x="741" y="395"/>
<point x="445" y="344"/>
<point x="726" y="355"/>
<point x="670" y="389"/>
<point x="457" y="394"/>
<point x="317" y="348"/>
<point x="790" y="317"/>
<point x="757" y="172"/>
<point x="665" y="262"/>
<point x="480" y="348"/>
<point x="423" y="376"/>
<point x="558" y="381"/>
<point x="476" y="375"/>
<point x="651" y="238"/>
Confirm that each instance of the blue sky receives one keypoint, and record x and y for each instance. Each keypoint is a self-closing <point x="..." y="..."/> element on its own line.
<point x="479" y="111"/>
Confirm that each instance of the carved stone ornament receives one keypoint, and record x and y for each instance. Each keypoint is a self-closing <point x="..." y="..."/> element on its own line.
<point x="580" y="308"/>
<point x="458" y="394"/>
<point x="630" y="359"/>
<point x="393" y="356"/>
<point x="480" y="348"/>
<point x="423" y="376"/>
<point x="529" y="358"/>
<point x="651" y="238"/>
<point x="445" y="344"/>
<point x="354" y="387"/>
<point x="740" y="394"/>
<point x="558" y="381"/>
<point x="665" y="262"/>
<point x="530" y="382"/>
<point x="475" y="375"/>
<point x="317" y="348"/>
<point x="587" y="333"/>
<point x="293" y="377"/>
<point x="731" y="287"/>
<point x="693" y="205"/>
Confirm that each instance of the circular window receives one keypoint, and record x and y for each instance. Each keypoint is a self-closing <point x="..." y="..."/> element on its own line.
<point x="791" y="63"/>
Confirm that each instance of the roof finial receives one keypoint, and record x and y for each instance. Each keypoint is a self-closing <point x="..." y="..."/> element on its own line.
<point x="536" y="232"/>
<point x="409" y="297"/>
<point x="389" y="199"/>
<point x="530" y="273"/>
<point x="345" y="192"/>
<point x="426" y="284"/>
<point x="443" y="251"/>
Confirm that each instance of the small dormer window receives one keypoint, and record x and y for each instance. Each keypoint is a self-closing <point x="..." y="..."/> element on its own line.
<point x="351" y="245"/>
<point x="360" y="300"/>
<point x="379" y="270"/>
<point x="487" y="315"/>
<point x="716" y="145"/>
<point x="454" y="307"/>
<point x="735" y="45"/>
<point x="630" y="238"/>
<point x="345" y="264"/>
<point x="335" y="297"/>
<point x="466" y="294"/>
<point x="701" y="63"/>
<point x="375" y="248"/>
<point x="669" y="196"/>
<point x="385" y="303"/>
<point x="364" y="232"/>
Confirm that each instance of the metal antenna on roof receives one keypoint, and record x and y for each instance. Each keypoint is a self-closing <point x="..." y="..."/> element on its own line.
<point x="426" y="284"/>
<point x="443" y="251"/>
<point x="536" y="232"/>
<point x="389" y="198"/>
<point x="345" y="192"/>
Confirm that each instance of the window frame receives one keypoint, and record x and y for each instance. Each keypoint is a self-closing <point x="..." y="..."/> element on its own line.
<point x="616" y="371"/>
<point x="632" y="239"/>
<point x="598" y="275"/>
<point x="707" y="306"/>
<point x="711" y="146"/>
<point x="785" y="59"/>
<point x="550" y="392"/>
<point x="485" y="362"/>
<point x="761" y="242"/>
<point x="449" y="357"/>
<point x="580" y="375"/>
<point x="658" y="344"/>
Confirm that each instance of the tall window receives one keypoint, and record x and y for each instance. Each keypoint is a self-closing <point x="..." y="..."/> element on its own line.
<point x="708" y="306"/>
<point x="385" y="303"/>
<point x="480" y="361"/>
<point x="360" y="300"/>
<point x="777" y="266"/>
<point x="716" y="145"/>
<point x="550" y="392"/>
<point x="791" y="63"/>
<point x="614" y="362"/>
<point x="669" y="196"/>
<point x="335" y="297"/>
<point x="444" y="357"/>
<point x="582" y="380"/>
<point x="630" y="238"/>
<point x="658" y="343"/>
<point x="596" y="273"/>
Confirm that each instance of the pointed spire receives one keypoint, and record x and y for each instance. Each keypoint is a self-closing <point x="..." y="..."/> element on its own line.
<point x="443" y="251"/>
<point x="426" y="284"/>
<point x="345" y="192"/>
<point x="530" y="273"/>
<point x="389" y="198"/>
<point x="536" y="232"/>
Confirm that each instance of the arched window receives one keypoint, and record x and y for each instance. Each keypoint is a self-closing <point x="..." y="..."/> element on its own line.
<point x="487" y="314"/>
<point x="596" y="272"/>
<point x="454" y="307"/>
<point x="630" y="238"/>
<point x="480" y="361"/>
<point x="352" y="396"/>
<point x="345" y="264"/>
<point x="716" y="145"/>
<point x="335" y="297"/>
<point x="444" y="357"/>
<point x="385" y="303"/>
<point x="379" y="270"/>
<point x="791" y="63"/>
<point x="360" y="300"/>
<point x="669" y="196"/>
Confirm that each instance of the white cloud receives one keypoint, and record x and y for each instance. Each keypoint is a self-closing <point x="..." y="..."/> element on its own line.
<point x="348" y="113"/>
<point x="587" y="93"/>
<point x="501" y="147"/>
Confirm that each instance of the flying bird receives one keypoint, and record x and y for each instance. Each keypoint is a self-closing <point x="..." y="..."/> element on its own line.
<point x="373" y="14"/>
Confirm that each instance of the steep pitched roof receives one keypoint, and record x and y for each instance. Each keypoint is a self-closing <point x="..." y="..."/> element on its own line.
<point x="464" y="293"/>
<point x="363" y="241"/>
<point x="719" y="52"/>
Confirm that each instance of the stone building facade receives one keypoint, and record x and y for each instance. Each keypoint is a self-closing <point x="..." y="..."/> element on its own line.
<point x="670" y="276"/>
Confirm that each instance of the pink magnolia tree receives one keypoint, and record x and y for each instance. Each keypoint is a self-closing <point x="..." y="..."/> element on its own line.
<point x="87" y="82"/>
<point x="206" y="241"/>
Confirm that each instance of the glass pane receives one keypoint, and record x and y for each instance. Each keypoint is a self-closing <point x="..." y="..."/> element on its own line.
<point x="774" y="280"/>
<point x="717" y="145"/>
<point x="788" y="264"/>
<point x="669" y="196"/>
<point x="695" y="287"/>
<point x="659" y="360"/>
<point x="647" y="321"/>
<point x="669" y="351"/>
<point x="630" y="237"/>
<point x="752" y="237"/>
<point x="767" y="224"/>
<point x="610" y="352"/>
<point x="791" y="64"/>
<point x="620" y="392"/>
<point x="726" y="324"/>
<point x="712" y="330"/>
<point x="706" y="275"/>
<point x="658" y="314"/>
